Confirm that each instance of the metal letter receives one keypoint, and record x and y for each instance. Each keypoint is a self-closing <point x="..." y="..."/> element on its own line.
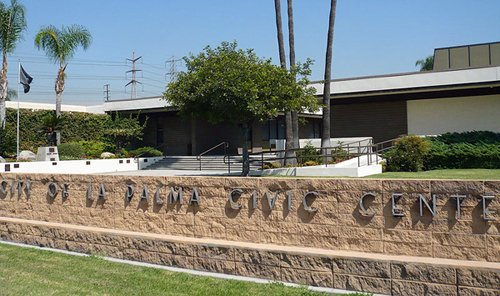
<point x="272" y="202"/>
<point x="102" y="193"/>
<point x="12" y="189"/>
<point x="459" y="202"/>
<point x="19" y="189"/>
<point x="27" y="189"/>
<point x="158" y="201"/>
<point x="130" y="192"/>
<point x="144" y="194"/>
<point x="395" y="210"/>
<point x="362" y="206"/>
<point x="304" y="202"/>
<point x="486" y="212"/>
<point x="3" y="187"/>
<point x="289" y="200"/>
<point x="174" y="197"/>
<point x="52" y="189"/>
<point x="254" y="199"/>
<point x="65" y="192"/>
<point x="424" y="201"/>
<point x="195" y="197"/>
<point x="89" y="193"/>
<point x="231" y="200"/>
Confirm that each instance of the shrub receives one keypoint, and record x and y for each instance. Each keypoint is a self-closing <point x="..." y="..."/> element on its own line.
<point x="308" y="154"/>
<point x="463" y="156"/>
<point x="408" y="154"/>
<point x="473" y="137"/>
<point x="148" y="152"/>
<point x="95" y="148"/>
<point x="466" y="150"/>
<point x="339" y="155"/>
<point x="70" y="150"/>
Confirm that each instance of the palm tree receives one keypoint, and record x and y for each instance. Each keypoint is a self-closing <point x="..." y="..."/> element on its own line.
<point x="291" y="41"/>
<point x="60" y="46"/>
<point x="427" y="64"/>
<point x="12" y="25"/>
<point x="325" y="137"/>
<point x="288" y="115"/>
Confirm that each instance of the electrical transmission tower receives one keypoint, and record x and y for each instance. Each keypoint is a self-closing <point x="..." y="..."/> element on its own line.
<point x="173" y="68"/>
<point x="106" y="92"/>
<point x="133" y="82"/>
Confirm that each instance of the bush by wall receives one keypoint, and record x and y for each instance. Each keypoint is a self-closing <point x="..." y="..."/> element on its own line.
<point x="70" y="150"/>
<point x="96" y="148"/>
<point x="146" y="152"/>
<point x="407" y="155"/>
<point x="477" y="149"/>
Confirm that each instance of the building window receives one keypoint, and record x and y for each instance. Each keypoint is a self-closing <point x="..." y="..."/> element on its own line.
<point x="273" y="129"/>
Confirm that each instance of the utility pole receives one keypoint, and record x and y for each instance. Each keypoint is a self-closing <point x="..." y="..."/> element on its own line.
<point x="173" y="68"/>
<point x="133" y="82"/>
<point x="106" y="92"/>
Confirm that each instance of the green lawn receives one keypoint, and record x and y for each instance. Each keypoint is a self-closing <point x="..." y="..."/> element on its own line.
<point x="468" y="174"/>
<point x="28" y="271"/>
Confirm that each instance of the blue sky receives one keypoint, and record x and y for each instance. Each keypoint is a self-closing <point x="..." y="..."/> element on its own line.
<point x="371" y="37"/>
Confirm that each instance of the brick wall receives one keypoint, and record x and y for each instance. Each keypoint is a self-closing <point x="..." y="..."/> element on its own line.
<point x="338" y="224"/>
<point x="394" y="275"/>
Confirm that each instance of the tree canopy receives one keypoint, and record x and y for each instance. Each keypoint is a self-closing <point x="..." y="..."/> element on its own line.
<point x="227" y="84"/>
<point x="60" y="46"/>
<point x="427" y="64"/>
<point x="12" y="25"/>
<point x="124" y="129"/>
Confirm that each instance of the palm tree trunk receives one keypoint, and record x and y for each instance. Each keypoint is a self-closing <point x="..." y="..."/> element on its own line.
<point x="3" y="89"/>
<point x="279" y="27"/>
<point x="59" y="87"/>
<point x="325" y="137"/>
<point x="245" y="128"/>
<point x="288" y="115"/>
<point x="291" y="41"/>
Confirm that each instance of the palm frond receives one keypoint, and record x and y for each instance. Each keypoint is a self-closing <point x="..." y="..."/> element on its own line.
<point x="60" y="44"/>
<point x="12" y="25"/>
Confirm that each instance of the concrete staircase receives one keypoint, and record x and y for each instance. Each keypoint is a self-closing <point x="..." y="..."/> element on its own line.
<point x="208" y="163"/>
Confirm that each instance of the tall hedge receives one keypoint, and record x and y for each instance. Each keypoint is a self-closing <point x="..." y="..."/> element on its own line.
<point x="466" y="150"/>
<point x="79" y="127"/>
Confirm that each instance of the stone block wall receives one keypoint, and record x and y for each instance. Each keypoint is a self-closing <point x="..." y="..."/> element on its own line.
<point x="338" y="224"/>
<point x="389" y="275"/>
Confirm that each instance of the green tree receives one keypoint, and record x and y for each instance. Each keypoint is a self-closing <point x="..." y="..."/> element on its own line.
<point x="226" y="84"/>
<point x="60" y="46"/>
<point x="124" y="129"/>
<point x="12" y="25"/>
<point x="427" y="64"/>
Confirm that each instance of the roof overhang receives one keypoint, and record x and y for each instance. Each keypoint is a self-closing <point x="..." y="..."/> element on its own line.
<point x="417" y="85"/>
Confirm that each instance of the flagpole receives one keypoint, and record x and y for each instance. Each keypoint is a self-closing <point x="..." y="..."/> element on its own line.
<point x="18" y="84"/>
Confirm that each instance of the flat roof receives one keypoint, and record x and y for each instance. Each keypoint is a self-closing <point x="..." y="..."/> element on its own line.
<point x="411" y="81"/>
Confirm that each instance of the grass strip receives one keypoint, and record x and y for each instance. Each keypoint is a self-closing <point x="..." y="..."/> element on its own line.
<point x="29" y="271"/>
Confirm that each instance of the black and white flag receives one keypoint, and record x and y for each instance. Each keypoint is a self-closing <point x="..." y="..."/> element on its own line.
<point x="25" y="79"/>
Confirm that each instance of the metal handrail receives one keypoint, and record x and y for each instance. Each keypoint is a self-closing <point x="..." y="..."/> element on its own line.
<point x="359" y="149"/>
<point x="226" y="145"/>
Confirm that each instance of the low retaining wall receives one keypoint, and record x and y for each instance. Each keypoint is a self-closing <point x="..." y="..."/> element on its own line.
<point x="322" y="213"/>
<point x="374" y="273"/>
<point x="430" y="219"/>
